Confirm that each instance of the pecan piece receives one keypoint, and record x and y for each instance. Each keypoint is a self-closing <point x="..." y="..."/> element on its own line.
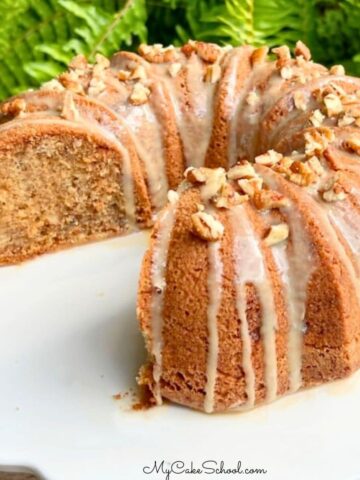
<point x="277" y="233"/>
<point x="206" y="227"/>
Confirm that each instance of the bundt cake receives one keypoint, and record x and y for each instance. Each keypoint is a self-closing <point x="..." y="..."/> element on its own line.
<point x="250" y="287"/>
<point x="93" y="153"/>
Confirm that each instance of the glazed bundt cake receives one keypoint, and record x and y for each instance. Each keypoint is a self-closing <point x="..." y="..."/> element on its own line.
<point x="250" y="287"/>
<point x="93" y="153"/>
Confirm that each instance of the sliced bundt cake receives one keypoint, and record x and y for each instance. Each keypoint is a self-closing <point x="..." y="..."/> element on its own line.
<point x="250" y="287"/>
<point x="94" y="152"/>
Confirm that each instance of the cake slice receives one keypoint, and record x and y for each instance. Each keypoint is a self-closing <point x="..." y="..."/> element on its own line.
<point x="67" y="175"/>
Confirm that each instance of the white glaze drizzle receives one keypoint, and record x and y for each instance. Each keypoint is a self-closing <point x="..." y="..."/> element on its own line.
<point x="143" y="124"/>
<point x="343" y="217"/>
<point x="214" y="285"/>
<point x="231" y="102"/>
<point x="158" y="272"/>
<point x="234" y="101"/>
<point x="251" y="270"/>
<point x="347" y="220"/>
<point x="345" y="260"/>
<point x="241" y="304"/>
<point x="296" y="264"/>
<point x="319" y="209"/>
<point x="194" y="119"/>
<point x="127" y="181"/>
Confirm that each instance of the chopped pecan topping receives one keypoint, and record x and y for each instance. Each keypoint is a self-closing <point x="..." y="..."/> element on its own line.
<point x="317" y="141"/>
<point x="53" y="85"/>
<point x="174" y="69"/>
<point x="139" y="73"/>
<point x="252" y="98"/>
<point x="14" y="108"/>
<point x="70" y="80"/>
<point x="216" y="179"/>
<point x="300" y="100"/>
<point x="96" y="86"/>
<point x="241" y="170"/>
<point x="346" y="120"/>
<point x="315" y="165"/>
<point x="352" y="144"/>
<point x="269" y="199"/>
<point x="283" y="166"/>
<point x="250" y="186"/>
<point x="301" y="78"/>
<point x="303" y="50"/>
<point x="337" y="90"/>
<point x="333" y="104"/>
<point x="211" y="180"/>
<point x="295" y="155"/>
<point x="300" y="61"/>
<point x="213" y="73"/>
<point x="277" y="233"/>
<point x="283" y="56"/>
<point x="286" y="73"/>
<point x="228" y="198"/>
<point x="102" y="63"/>
<point x="332" y="196"/>
<point x="140" y="94"/>
<point x="209" y="52"/>
<point x="188" y="48"/>
<point x="157" y="53"/>
<point x="79" y="63"/>
<point x="332" y="191"/>
<point x="172" y="196"/>
<point x="196" y="175"/>
<point x="337" y="70"/>
<point x="316" y="118"/>
<point x="301" y="173"/>
<point x="123" y="75"/>
<point x="206" y="227"/>
<point x="271" y="157"/>
<point x="259" y="55"/>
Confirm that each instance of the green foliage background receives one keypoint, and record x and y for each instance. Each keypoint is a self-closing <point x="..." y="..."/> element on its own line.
<point x="39" y="37"/>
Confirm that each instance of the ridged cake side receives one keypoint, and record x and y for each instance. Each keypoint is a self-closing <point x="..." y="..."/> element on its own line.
<point x="258" y="292"/>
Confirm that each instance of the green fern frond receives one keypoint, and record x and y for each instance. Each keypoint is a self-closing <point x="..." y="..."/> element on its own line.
<point x="39" y="37"/>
